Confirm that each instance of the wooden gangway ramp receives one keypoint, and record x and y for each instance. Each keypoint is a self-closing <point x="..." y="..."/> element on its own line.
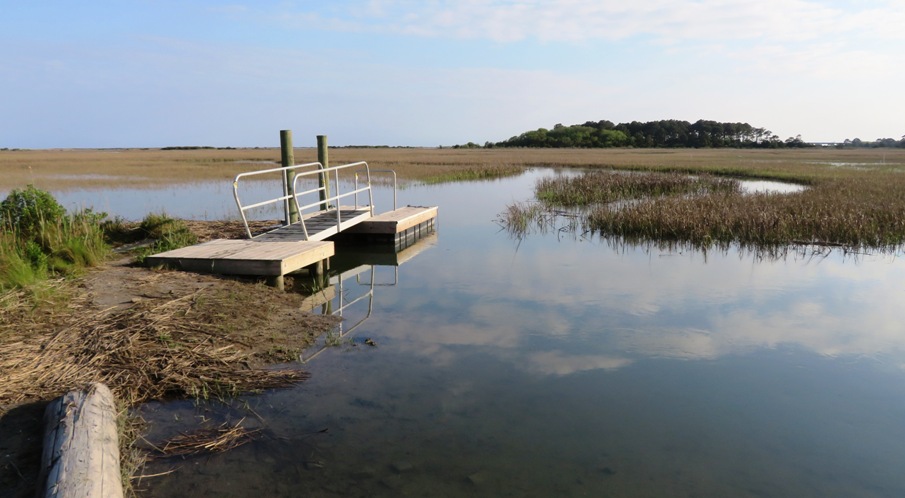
<point x="319" y="226"/>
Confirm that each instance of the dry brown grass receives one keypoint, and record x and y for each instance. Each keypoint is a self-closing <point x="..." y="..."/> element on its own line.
<point x="70" y="169"/>
<point x="198" y="344"/>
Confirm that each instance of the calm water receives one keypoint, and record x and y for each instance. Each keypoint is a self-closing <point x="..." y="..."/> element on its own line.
<point x="562" y="366"/>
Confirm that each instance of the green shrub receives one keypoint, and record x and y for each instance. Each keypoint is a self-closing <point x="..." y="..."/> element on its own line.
<point x="169" y="233"/>
<point x="40" y="240"/>
<point x="25" y="211"/>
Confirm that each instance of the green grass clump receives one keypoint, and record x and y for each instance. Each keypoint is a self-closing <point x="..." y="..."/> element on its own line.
<point x="39" y="240"/>
<point x="168" y="234"/>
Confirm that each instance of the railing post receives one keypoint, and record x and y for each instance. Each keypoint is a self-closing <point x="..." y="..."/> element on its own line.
<point x="290" y="210"/>
<point x="323" y="181"/>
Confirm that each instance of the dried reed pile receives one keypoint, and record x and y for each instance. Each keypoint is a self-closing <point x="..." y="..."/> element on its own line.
<point x="200" y="344"/>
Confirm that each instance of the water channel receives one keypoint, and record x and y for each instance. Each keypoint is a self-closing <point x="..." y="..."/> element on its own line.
<point x="569" y="366"/>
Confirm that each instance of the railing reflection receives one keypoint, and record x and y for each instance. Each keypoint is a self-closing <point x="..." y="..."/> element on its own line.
<point x="347" y="290"/>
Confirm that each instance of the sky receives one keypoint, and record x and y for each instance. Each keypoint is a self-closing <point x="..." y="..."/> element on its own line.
<point x="154" y="73"/>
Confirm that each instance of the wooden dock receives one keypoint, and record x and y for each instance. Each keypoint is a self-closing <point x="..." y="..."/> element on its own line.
<point x="285" y="249"/>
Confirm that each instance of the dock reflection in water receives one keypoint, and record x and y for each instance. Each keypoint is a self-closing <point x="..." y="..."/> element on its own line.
<point x="348" y="290"/>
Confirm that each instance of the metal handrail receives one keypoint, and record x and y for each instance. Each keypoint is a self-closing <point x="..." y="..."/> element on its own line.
<point x="321" y="201"/>
<point x="295" y="195"/>
<point x="381" y="171"/>
<point x="284" y="198"/>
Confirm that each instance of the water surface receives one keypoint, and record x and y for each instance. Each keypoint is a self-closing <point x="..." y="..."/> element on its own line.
<point x="563" y="365"/>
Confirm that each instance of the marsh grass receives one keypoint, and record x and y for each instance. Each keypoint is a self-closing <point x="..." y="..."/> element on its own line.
<point x="600" y="187"/>
<point x="198" y="345"/>
<point x="475" y="173"/>
<point x="863" y="211"/>
<point x="58" y="170"/>
<point x="866" y="214"/>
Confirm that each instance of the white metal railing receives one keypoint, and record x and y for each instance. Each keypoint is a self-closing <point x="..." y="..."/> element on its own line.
<point x="323" y="202"/>
<point x="283" y="199"/>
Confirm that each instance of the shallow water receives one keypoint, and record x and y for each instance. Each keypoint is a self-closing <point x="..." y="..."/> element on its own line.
<point x="566" y="366"/>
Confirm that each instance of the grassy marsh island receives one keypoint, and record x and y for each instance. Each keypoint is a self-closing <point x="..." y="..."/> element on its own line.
<point x="849" y="202"/>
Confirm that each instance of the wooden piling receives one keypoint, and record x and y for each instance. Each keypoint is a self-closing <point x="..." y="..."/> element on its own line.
<point x="287" y="157"/>
<point x="323" y="179"/>
<point x="81" y="446"/>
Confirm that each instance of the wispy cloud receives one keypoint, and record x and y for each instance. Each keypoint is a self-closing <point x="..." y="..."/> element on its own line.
<point x="663" y="21"/>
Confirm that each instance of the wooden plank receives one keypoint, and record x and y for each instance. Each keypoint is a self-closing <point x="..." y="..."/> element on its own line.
<point x="81" y="449"/>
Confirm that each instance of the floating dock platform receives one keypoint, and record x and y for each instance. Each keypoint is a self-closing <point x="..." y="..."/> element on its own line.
<point x="401" y="226"/>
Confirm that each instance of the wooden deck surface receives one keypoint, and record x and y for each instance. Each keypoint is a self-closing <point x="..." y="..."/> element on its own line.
<point x="245" y="257"/>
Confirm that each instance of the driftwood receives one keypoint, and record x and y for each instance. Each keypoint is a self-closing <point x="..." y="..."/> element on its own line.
<point x="81" y="450"/>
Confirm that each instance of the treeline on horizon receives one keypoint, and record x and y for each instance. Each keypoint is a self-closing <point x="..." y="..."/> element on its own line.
<point x="666" y="133"/>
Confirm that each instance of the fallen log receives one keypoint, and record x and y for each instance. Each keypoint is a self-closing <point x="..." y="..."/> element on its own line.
<point x="81" y="449"/>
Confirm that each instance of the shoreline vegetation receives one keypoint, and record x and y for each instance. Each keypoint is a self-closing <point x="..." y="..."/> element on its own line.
<point x="72" y="313"/>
